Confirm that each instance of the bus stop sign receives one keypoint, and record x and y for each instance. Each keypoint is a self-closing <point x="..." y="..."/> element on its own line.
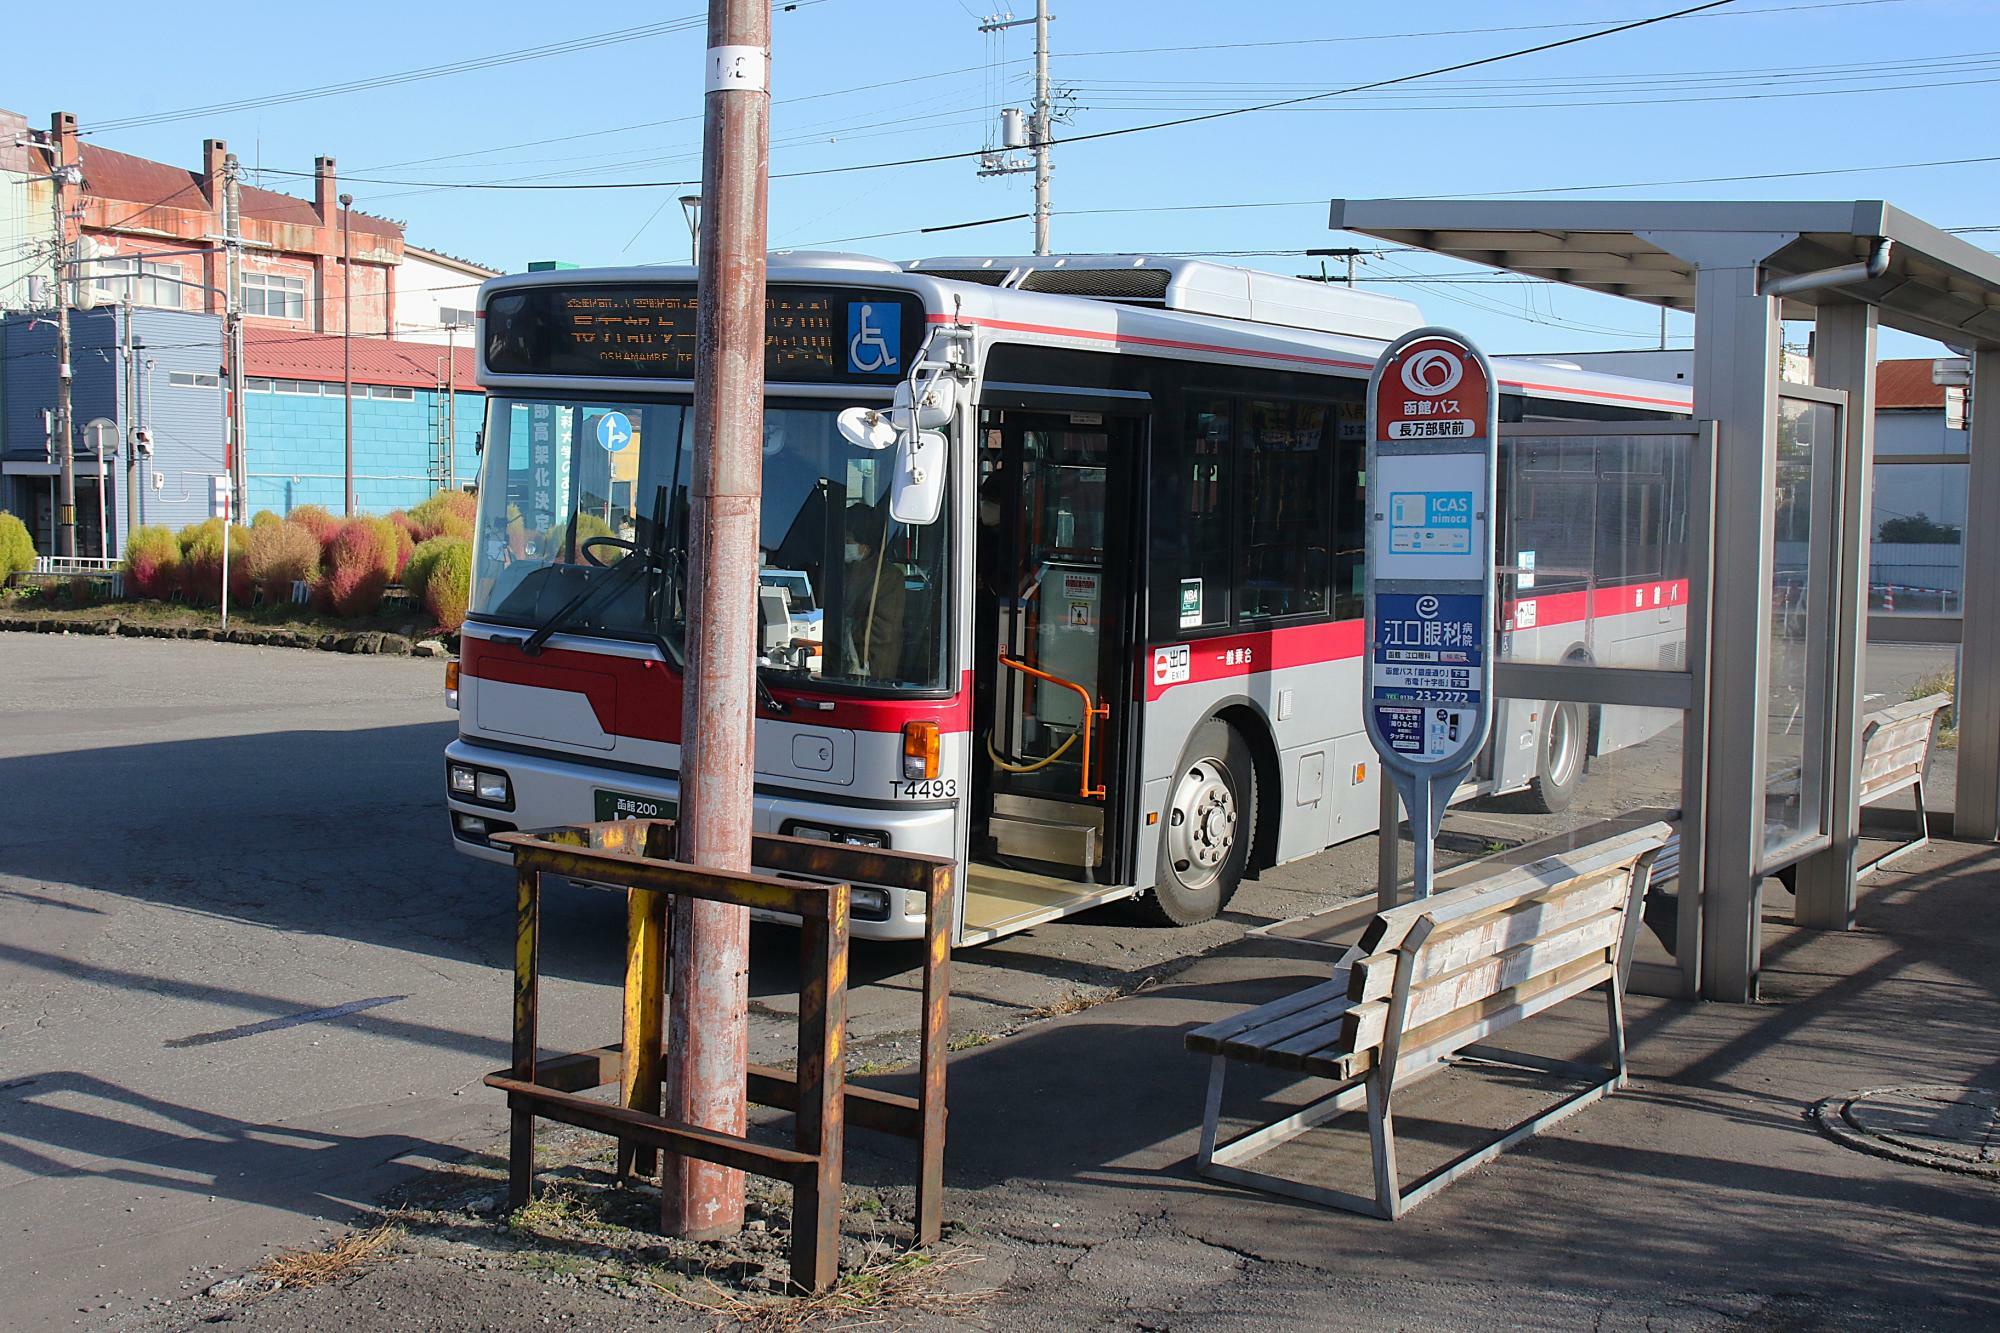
<point x="1433" y="429"/>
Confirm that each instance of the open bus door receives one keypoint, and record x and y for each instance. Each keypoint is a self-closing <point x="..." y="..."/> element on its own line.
<point x="1054" y="651"/>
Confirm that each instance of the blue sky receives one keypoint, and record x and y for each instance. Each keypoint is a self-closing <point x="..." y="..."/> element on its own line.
<point x="1762" y="86"/>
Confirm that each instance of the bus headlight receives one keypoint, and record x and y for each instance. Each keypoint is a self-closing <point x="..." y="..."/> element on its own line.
<point x="484" y="785"/>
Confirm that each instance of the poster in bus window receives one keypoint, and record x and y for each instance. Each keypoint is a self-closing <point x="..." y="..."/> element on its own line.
<point x="540" y="509"/>
<point x="1190" y="603"/>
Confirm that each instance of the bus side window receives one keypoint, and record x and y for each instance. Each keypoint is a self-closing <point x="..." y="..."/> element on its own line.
<point x="1193" y="503"/>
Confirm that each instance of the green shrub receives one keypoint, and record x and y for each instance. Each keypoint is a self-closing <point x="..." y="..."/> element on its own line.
<point x="281" y="554"/>
<point x="417" y="569"/>
<point x="17" y="548"/>
<point x="263" y="518"/>
<point x="201" y="562"/>
<point x="446" y="514"/>
<point x="448" y="588"/>
<point x="152" y="562"/>
<point x="358" y="567"/>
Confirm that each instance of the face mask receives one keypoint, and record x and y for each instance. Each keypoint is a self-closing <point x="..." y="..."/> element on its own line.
<point x="989" y="514"/>
<point x="855" y="551"/>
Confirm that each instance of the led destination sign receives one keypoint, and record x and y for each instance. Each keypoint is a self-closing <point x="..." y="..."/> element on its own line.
<point x="811" y="334"/>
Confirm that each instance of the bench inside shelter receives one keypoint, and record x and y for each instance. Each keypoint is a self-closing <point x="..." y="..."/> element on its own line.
<point x="1428" y="983"/>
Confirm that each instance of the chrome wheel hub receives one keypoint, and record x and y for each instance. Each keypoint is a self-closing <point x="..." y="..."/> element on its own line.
<point x="1201" y="825"/>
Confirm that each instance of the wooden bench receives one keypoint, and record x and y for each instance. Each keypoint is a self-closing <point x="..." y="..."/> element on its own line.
<point x="1895" y="752"/>
<point x="1427" y="983"/>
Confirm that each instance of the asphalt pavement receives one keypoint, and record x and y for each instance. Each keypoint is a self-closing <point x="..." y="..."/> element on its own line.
<point x="246" y="985"/>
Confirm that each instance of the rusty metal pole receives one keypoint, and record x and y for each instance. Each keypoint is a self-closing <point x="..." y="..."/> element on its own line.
<point x="708" y="1017"/>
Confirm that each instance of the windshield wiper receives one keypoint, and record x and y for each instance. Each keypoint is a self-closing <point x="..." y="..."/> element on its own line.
<point x="649" y="559"/>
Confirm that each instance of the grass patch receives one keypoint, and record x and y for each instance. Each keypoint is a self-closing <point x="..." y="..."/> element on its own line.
<point x="894" y="1289"/>
<point x="1942" y="681"/>
<point x="967" y="1041"/>
<point x="285" y="615"/>
<point x="347" y="1256"/>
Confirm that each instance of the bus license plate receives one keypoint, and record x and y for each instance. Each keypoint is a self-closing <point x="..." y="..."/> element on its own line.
<point x="624" y="805"/>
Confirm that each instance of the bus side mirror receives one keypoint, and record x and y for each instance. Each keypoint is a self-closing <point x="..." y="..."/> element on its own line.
<point x="916" y="491"/>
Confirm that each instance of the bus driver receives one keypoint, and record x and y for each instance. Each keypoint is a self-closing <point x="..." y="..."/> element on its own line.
<point x="873" y="587"/>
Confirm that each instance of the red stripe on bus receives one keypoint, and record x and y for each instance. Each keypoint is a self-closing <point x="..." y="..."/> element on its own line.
<point x="1234" y="655"/>
<point x="640" y="698"/>
<point x="1177" y="344"/>
<point x="1565" y="608"/>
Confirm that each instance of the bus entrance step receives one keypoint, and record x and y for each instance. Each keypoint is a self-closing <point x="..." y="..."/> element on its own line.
<point x="1044" y="840"/>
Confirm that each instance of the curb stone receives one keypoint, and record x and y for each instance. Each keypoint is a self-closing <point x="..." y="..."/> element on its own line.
<point x="367" y="642"/>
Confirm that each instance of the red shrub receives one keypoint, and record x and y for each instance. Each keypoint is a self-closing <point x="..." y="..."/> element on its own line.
<point x="357" y="569"/>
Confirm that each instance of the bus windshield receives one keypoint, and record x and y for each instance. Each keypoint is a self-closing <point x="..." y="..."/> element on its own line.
<point x="572" y="488"/>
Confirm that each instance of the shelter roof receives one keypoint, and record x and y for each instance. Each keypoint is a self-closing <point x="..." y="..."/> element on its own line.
<point x="1936" y="285"/>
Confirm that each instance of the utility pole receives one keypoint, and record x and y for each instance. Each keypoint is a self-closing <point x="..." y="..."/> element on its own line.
<point x="1042" y="127"/>
<point x="1349" y="253"/>
<point x="131" y="415"/>
<point x="708" y="1014"/>
<point x="232" y="239"/>
<point x="1040" y="133"/>
<point x="347" y="351"/>
<point x="65" y="418"/>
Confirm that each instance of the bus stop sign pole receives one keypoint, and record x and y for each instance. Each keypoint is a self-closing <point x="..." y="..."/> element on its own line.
<point x="1433" y="433"/>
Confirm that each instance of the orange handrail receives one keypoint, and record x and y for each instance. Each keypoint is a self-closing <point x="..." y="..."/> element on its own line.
<point x="1091" y="711"/>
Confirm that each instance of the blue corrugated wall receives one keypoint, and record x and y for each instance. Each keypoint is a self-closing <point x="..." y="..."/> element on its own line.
<point x="297" y="446"/>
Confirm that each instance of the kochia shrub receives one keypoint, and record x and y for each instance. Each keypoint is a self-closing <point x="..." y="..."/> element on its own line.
<point x="17" y="548"/>
<point x="446" y="514"/>
<point x="315" y="520"/>
<point x="201" y="562"/>
<point x="448" y="588"/>
<point x="417" y="569"/>
<point x="357" y="568"/>
<point x="280" y="555"/>
<point x="152" y="562"/>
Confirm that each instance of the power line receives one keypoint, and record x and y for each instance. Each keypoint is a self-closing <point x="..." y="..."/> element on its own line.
<point x="1084" y="138"/>
<point x="422" y="73"/>
<point x="1450" y="32"/>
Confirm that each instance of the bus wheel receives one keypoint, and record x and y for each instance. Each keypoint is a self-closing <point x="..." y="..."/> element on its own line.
<point x="1559" y="758"/>
<point x="1210" y="819"/>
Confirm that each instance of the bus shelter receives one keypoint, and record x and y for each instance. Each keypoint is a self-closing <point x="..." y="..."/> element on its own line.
<point x="1771" y="686"/>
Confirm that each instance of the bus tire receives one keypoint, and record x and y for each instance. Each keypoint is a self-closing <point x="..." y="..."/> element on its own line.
<point x="1560" y="746"/>
<point x="1208" y="826"/>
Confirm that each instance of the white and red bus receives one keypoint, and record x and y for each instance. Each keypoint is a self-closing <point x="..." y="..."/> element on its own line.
<point x="1077" y="602"/>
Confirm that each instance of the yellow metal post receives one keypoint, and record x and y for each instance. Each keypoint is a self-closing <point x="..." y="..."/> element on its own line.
<point x="645" y="1008"/>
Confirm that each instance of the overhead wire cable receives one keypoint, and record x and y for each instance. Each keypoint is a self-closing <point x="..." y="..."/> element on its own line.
<point x="1098" y="135"/>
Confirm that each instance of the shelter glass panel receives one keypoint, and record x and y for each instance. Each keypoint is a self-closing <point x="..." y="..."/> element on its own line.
<point x="1795" y="721"/>
<point x="1916" y="560"/>
<point x="1593" y="549"/>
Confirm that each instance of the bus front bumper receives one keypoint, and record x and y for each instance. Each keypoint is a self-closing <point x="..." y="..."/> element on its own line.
<point x="547" y="792"/>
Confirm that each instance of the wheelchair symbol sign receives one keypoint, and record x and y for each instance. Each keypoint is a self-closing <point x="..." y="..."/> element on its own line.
<point x="874" y="338"/>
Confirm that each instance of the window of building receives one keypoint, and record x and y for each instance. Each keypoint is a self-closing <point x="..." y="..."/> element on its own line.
<point x="254" y="385"/>
<point x="184" y="379"/>
<point x="393" y="394"/>
<point x="141" y="281"/>
<point x="340" y="390"/>
<point x="298" y="387"/>
<point x="452" y="318"/>
<point x="274" y="295"/>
